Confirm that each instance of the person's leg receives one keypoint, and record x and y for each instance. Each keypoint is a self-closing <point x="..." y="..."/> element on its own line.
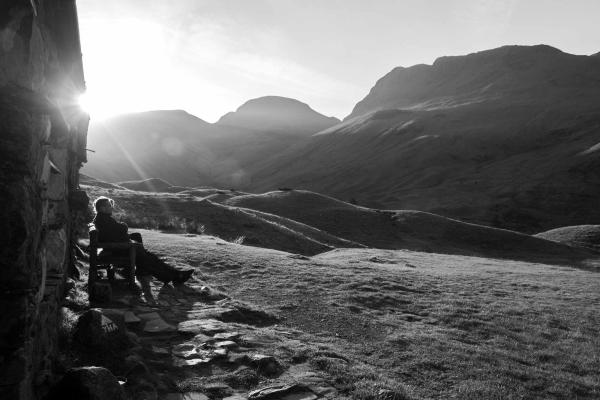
<point x="145" y="282"/>
<point x="149" y="264"/>
<point x="162" y="271"/>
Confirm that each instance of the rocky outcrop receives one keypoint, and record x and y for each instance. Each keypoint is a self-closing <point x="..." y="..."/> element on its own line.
<point x="42" y="146"/>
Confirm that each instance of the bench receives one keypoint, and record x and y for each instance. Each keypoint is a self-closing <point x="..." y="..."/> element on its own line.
<point x="105" y="260"/>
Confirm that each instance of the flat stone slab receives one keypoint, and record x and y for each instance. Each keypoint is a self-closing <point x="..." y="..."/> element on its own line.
<point x="238" y="358"/>
<point x="221" y="352"/>
<point x="185" y="350"/>
<point x="159" y="350"/>
<point x="202" y="338"/>
<point x="208" y="326"/>
<point x="186" y="396"/>
<point x="283" y="392"/>
<point x="322" y="390"/>
<point x="108" y="311"/>
<point x="158" y="326"/>
<point x="212" y="312"/>
<point x="226" y="335"/>
<point x="182" y="362"/>
<point x="226" y="344"/>
<point x="131" y="318"/>
<point x="149" y="316"/>
<point x="194" y="396"/>
<point x="300" y="396"/>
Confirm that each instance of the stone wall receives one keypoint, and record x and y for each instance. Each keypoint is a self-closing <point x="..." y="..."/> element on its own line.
<point x="42" y="146"/>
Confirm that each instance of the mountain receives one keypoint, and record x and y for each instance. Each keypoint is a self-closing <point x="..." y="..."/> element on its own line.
<point x="171" y="145"/>
<point x="184" y="150"/>
<point x="278" y="114"/>
<point x="517" y="73"/>
<point x="508" y="137"/>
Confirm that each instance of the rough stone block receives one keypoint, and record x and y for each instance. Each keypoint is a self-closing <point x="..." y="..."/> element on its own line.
<point x="56" y="247"/>
<point x="158" y="325"/>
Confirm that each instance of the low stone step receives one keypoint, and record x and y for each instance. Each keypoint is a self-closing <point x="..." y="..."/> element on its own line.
<point x="207" y="326"/>
<point x="158" y="325"/>
<point x="283" y="392"/>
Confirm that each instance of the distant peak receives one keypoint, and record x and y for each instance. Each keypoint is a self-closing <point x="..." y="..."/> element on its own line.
<point x="163" y="113"/>
<point x="272" y="101"/>
<point x="277" y="113"/>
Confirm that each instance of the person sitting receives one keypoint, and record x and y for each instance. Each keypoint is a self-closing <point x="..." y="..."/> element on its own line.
<point x="147" y="264"/>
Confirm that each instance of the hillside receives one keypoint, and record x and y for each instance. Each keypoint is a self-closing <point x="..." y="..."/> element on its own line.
<point x="200" y="211"/>
<point x="170" y="145"/>
<point x="186" y="151"/>
<point x="506" y="137"/>
<point x="309" y="223"/>
<point x="587" y="236"/>
<point x="147" y="185"/>
<point x="404" y="229"/>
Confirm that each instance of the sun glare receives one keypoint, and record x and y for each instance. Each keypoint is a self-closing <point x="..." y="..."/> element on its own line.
<point x="85" y="103"/>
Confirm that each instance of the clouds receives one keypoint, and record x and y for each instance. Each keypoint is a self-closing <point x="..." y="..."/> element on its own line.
<point x="208" y="56"/>
<point x="200" y="63"/>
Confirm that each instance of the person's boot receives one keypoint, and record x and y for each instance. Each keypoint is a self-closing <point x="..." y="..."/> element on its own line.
<point x="182" y="276"/>
<point x="134" y="287"/>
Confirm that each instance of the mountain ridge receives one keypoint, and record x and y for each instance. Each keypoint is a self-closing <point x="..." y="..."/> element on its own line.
<point x="185" y="150"/>
<point x="479" y="76"/>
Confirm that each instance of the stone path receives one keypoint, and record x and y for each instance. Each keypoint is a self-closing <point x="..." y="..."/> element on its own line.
<point x="198" y="344"/>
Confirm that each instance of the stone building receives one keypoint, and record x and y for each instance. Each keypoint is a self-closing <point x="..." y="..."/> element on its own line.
<point x="42" y="146"/>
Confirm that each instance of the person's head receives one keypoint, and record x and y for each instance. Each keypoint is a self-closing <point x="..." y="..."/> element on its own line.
<point x="104" y="205"/>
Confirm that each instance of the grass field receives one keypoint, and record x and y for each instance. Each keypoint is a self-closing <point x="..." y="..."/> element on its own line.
<point x="420" y="325"/>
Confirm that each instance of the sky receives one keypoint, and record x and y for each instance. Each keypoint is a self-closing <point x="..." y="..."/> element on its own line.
<point x="208" y="57"/>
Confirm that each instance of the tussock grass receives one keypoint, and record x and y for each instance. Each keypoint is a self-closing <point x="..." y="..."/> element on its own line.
<point x="66" y="326"/>
<point x="356" y="379"/>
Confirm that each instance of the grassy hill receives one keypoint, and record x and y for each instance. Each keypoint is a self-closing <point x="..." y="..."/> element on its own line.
<point x="586" y="236"/>
<point x="309" y="223"/>
<point x="402" y="229"/>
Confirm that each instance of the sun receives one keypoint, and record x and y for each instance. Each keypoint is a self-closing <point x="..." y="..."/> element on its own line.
<point x="124" y="66"/>
<point x="87" y="104"/>
<point x="138" y="65"/>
